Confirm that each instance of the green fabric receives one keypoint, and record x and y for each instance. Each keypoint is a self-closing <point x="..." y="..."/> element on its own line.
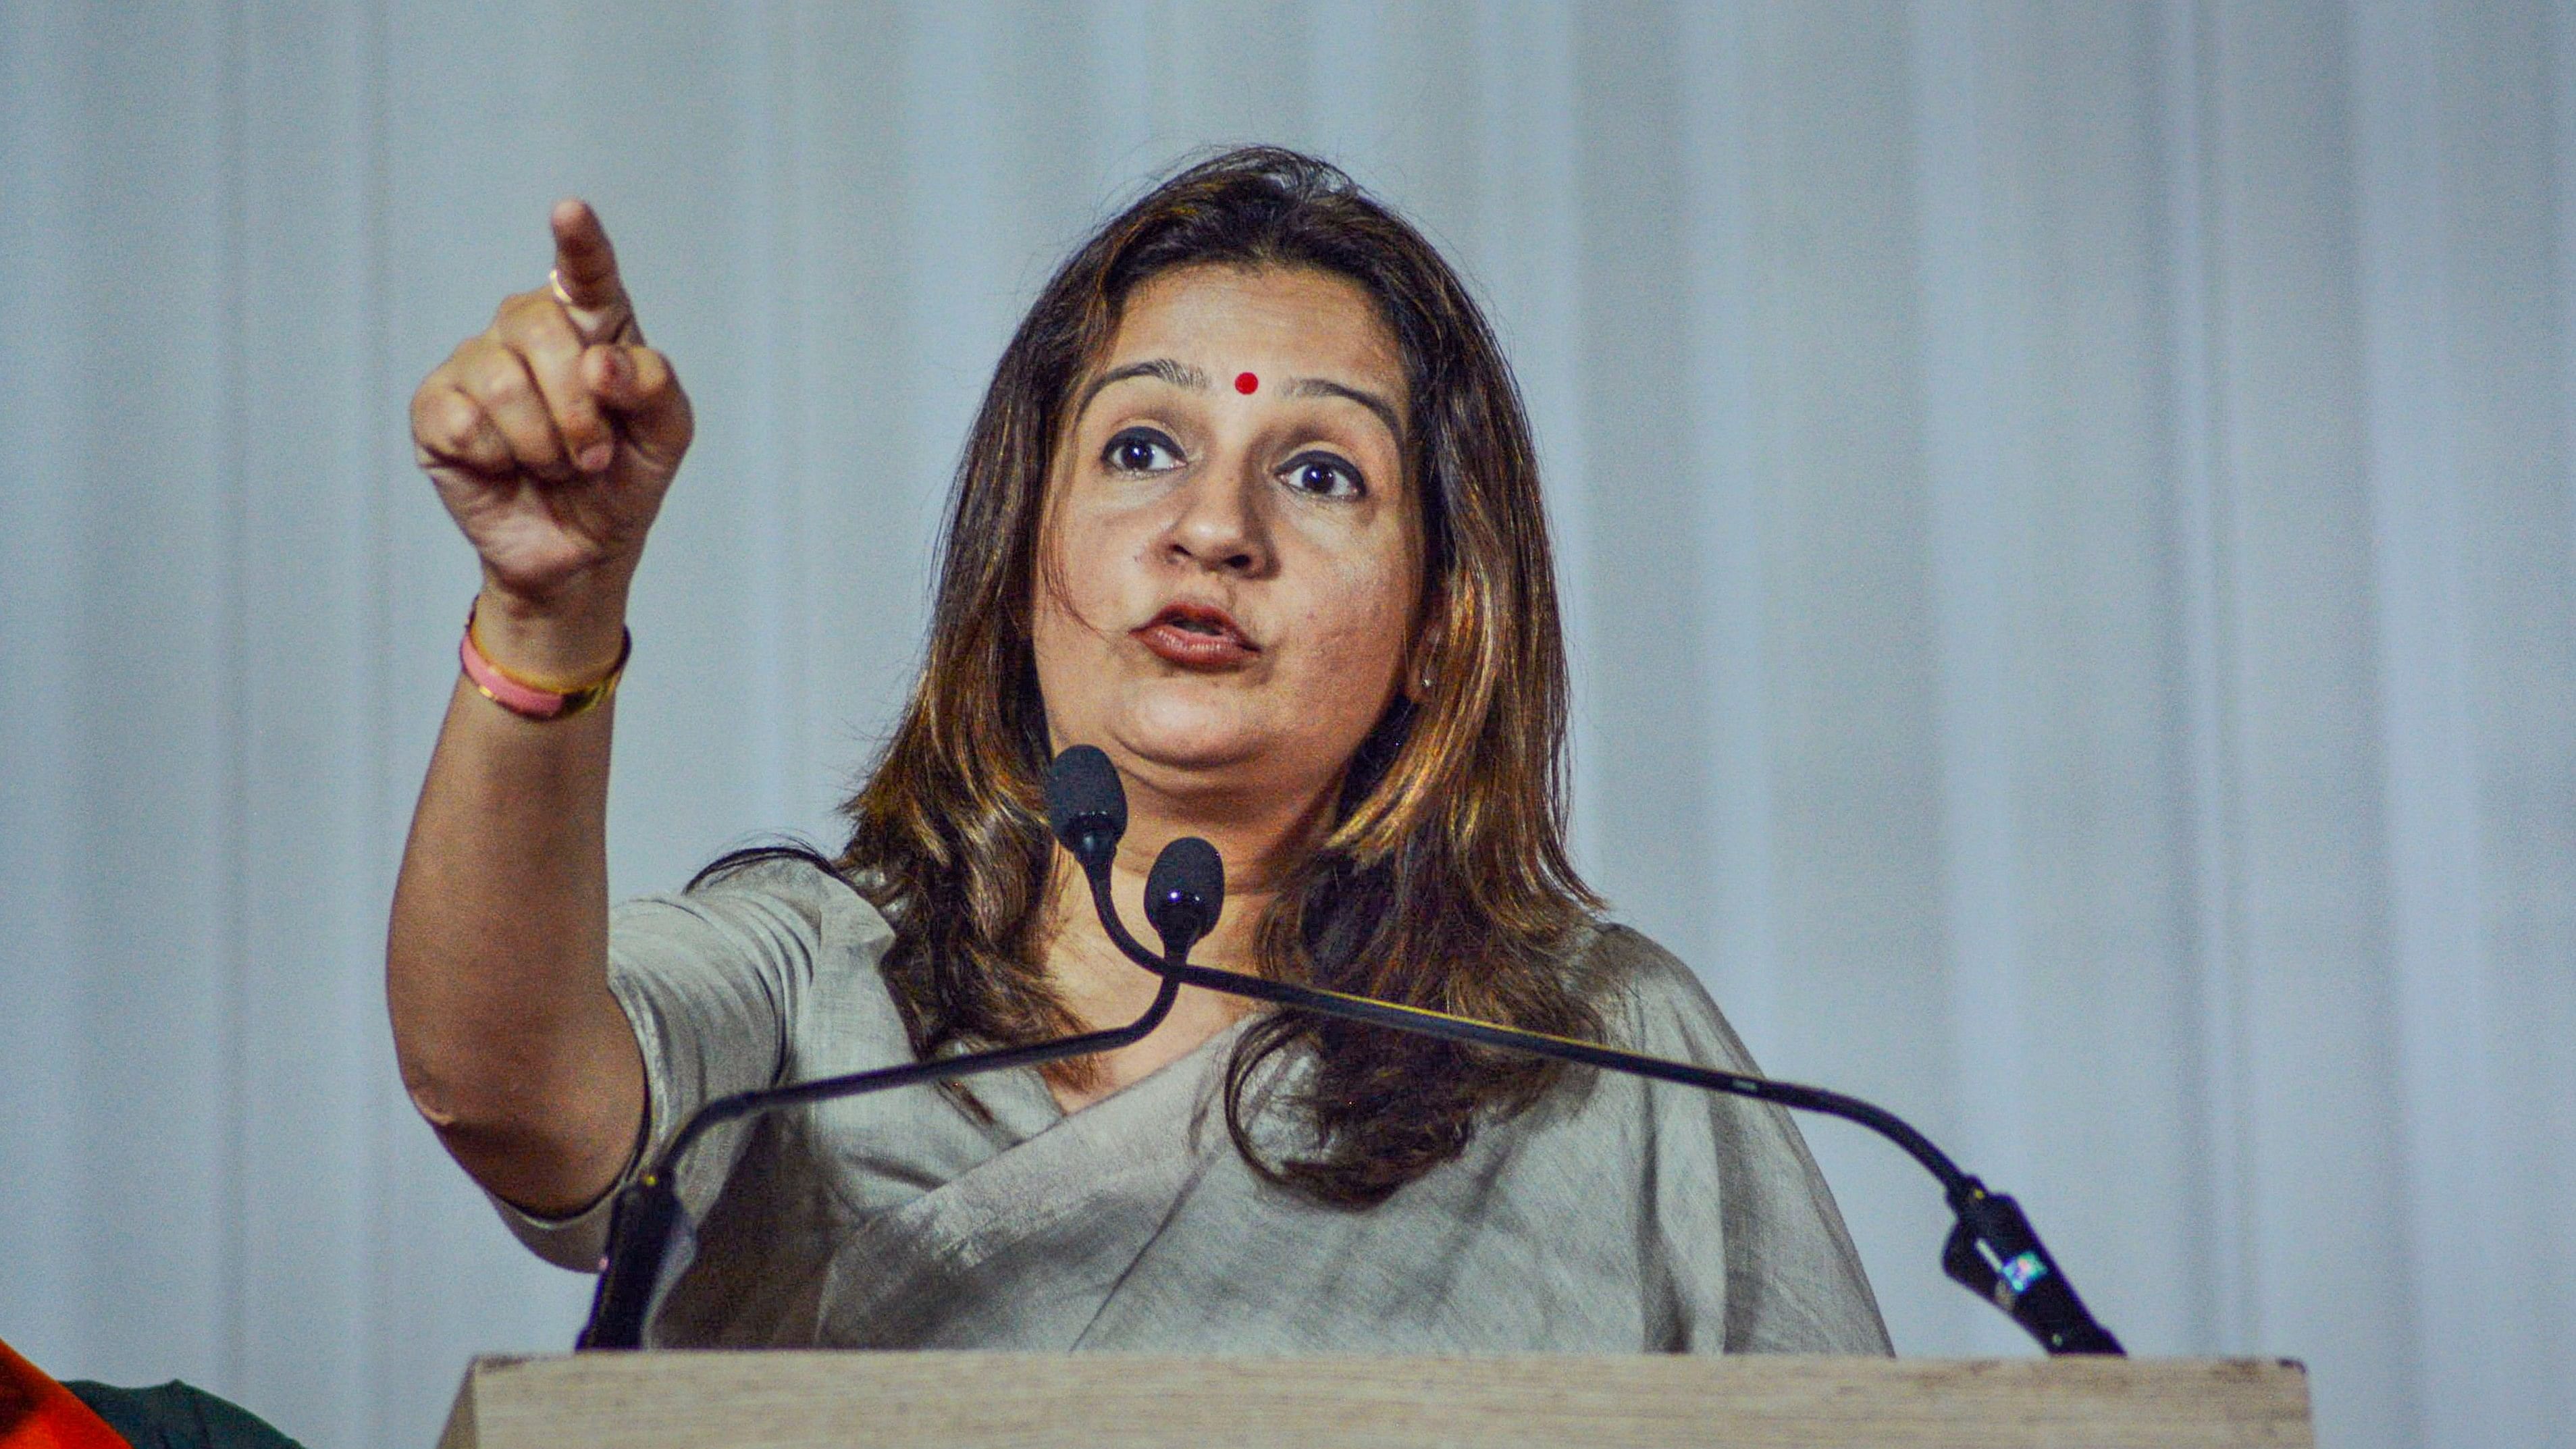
<point x="177" y="1416"/>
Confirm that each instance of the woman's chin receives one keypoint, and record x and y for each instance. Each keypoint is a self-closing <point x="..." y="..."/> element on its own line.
<point x="1211" y="752"/>
<point x="1188" y="738"/>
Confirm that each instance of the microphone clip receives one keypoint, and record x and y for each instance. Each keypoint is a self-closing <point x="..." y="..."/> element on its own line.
<point x="1995" y="1253"/>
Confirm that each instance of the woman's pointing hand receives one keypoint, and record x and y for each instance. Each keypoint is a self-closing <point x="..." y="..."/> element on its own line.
<point x="554" y="433"/>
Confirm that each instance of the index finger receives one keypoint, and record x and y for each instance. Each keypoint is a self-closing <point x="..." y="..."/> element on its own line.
<point x="585" y="264"/>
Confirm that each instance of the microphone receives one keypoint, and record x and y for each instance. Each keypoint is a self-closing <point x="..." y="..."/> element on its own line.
<point x="1185" y="891"/>
<point x="1087" y="807"/>
<point x="648" y="1210"/>
<point x="1992" y="1250"/>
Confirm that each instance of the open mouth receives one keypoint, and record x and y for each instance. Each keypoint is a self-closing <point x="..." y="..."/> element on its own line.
<point x="1196" y="636"/>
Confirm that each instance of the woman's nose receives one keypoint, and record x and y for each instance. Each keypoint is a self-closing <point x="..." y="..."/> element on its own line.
<point x="1220" y="526"/>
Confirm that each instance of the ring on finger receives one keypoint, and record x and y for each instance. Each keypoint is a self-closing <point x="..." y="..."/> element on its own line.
<point x="554" y="283"/>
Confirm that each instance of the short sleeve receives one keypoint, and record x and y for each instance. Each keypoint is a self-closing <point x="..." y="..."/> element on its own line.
<point x="712" y="981"/>
<point x="1768" y="1243"/>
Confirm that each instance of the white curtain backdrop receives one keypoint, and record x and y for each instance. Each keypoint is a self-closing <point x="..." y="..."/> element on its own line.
<point x="2066" y="509"/>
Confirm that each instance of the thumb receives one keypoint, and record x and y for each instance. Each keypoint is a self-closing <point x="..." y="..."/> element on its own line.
<point x="636" y="385"/>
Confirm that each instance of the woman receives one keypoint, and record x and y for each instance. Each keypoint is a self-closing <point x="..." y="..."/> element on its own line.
<point x="1251" y="505"/>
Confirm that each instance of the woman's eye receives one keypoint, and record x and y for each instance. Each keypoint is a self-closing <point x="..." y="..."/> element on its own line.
<point x="1325" y="477"/>
<point x="1140" y="450"/>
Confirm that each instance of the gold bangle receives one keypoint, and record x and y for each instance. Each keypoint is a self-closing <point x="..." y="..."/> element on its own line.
<point x="527" y="698"/>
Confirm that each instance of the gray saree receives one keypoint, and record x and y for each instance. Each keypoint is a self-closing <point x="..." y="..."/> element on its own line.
<point x="1616" y="1216"/>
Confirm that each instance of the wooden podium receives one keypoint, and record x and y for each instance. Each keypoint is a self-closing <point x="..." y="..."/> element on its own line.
<point x="810" y="1400"/>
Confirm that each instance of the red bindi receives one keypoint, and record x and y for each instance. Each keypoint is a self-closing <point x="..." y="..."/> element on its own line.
<point x="1245" y="382"/>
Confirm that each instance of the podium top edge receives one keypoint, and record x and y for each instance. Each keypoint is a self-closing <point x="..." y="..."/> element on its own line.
<point x="1895" y="1364"/>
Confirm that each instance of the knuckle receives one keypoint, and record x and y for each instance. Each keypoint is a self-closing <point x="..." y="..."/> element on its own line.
<point x="485" y="449"/>
<point x="580" y="432"/>
<point x="445" y="419"/>
<point x="452" y="415"/>
<point x="473" y="359"/>
<point x="537" y="321"/>
<point x="568" y="398"/>
<point x="531" y="432"/>
<point x="532" y="439"/>
<point x="503" y="381"/>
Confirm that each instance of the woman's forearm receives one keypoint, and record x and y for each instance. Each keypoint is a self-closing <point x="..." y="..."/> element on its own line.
<point x="509" y="1040"/>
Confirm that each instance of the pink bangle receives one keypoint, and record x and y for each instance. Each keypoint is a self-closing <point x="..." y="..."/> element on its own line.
<point x="535" y="701"/>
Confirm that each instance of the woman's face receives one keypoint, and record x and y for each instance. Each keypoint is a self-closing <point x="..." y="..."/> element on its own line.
<point x="1233" y="548"/>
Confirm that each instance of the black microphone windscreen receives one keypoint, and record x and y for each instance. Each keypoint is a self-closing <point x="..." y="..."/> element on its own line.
<point x="1083" y="795"/>
<point x="1185" y="891"/>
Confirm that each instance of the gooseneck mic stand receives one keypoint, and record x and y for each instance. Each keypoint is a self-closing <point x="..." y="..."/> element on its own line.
<point x="1992" y="1251"/>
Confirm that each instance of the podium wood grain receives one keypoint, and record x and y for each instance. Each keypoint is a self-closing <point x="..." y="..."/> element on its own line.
<point x="821" y="1400"/>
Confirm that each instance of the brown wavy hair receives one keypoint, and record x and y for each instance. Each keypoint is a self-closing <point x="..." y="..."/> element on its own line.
<point x="1444" y="881"/>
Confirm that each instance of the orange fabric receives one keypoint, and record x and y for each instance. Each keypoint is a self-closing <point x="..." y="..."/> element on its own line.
<point x="37" y="1413"/>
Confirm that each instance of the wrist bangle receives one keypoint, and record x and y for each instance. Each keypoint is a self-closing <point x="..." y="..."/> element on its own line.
<point x="535" y="701"/>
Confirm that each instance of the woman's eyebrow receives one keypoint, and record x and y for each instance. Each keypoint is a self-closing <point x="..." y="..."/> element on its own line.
<point x="1178" y="374"/>
<point x="1326" y="387"/>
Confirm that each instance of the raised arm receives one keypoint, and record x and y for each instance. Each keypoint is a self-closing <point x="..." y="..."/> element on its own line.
<point x="552" y="437"/>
